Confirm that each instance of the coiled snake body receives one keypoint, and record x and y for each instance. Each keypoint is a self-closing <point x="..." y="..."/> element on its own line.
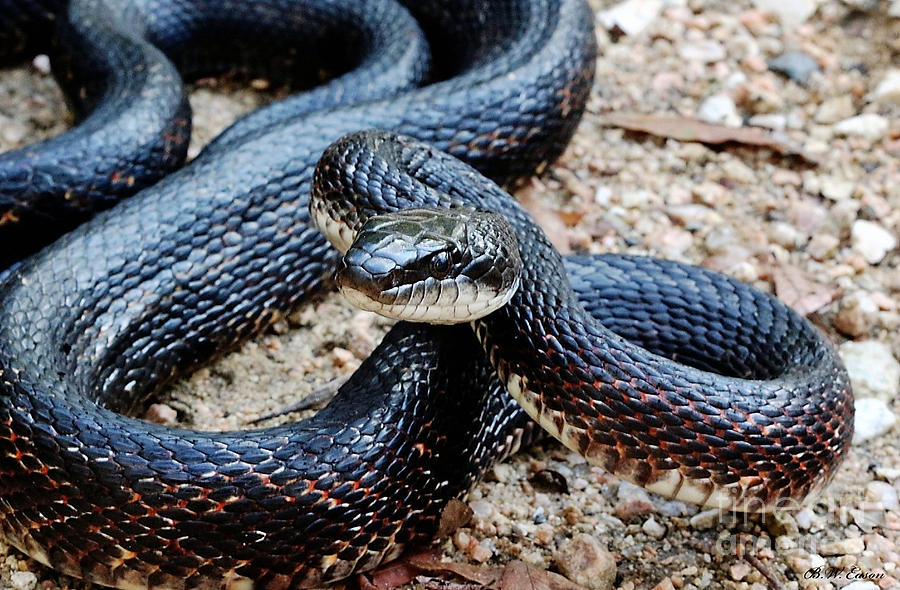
<point x="105" y="316"/>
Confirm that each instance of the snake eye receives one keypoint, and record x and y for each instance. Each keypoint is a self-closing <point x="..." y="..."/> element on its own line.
<point x="440" y="264"/>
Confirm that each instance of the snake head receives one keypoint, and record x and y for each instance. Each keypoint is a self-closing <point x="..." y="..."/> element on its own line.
<point x="439" y="266"/>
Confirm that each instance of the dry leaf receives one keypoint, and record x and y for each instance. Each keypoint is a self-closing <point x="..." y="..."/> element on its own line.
<point x="455" y="514"/>
<point x="485" y="575"/>
<point x="688" y="129"/>
<point x="396" y="573"/>
<point x="798" y="290"/>
<point x="547" y="218"/>
<point x="518" y="575"/>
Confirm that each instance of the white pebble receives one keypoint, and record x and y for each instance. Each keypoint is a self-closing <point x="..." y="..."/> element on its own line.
<point x="873" y="418"/>
<point x="874" y="372"/>
<point x="888" y="90"/>
<point x="804" y="519"/>
<point x="41" y="63"/>
<point x="871" y="240"/>
<point x="772" y="121"/>
<point x="790" y="13"/>
<point x="885" y="493"/>
<point x="861" y="585"/>
<point x="653" y="528"/>
<point x="719" y="109"/>
<point x="850" y="546"/>
<point x="706" y="519"/>
<point x="482" y="509"/>
<point x="868" y="126"/>
<point x="23" y="580"/>
<point x="834" y="109"/>
<point x="705" y="51"/>
<point x="836" y="189"/>
<point x="603" y="195"/>
<point x="630" y="16"/>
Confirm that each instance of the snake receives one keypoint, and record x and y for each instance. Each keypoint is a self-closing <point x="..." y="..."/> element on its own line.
<point x="650" y="368"/>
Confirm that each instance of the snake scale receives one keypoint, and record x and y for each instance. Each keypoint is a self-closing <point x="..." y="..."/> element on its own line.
<point x="193" y="264"/>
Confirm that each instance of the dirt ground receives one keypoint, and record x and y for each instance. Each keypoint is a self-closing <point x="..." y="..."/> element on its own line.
<point x="816" y="224"/>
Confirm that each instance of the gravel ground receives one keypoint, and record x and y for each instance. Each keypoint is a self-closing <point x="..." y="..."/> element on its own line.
<point x="819" y="230"/>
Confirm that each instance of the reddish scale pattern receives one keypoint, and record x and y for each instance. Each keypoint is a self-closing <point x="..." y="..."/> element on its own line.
<point x="684" y="381"/>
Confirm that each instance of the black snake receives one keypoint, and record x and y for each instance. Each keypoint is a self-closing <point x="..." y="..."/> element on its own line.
<point x="101" y="319"/>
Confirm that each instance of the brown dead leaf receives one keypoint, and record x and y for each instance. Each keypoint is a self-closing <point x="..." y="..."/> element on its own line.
<point x="549" y="220"/>
<point x="427" y="569"/>
<point x="797" y="289"/>
<point x="688" y="129"/>
<point x="518" y="575"/>
<point x="396" y="573"/>
<point x="487" y="576"/>
<point x="455" y="514"/>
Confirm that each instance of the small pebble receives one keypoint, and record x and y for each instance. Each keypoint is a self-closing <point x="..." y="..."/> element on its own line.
<point x="705" y="520"/>
<point x="888" y="90"/>
<point x="763" y="101"/>
<point x="887" y="473"/>
<point x="834" y="109"/>
<point x="873" y="418"/>
<point x="544" y="534"/>
<point x="884" y="493"/>
<point x="874" y="372"/>
<point x="676" y="508"/>
<point x="12" y="132"/>
<point x="796" y="65"/>
<point x="872" y="240"/>
<point x="161" y="414"/>
<point x="720" y="110"/>
<point x="704" y="51"/>
<point x="739" y="571"/>
<point x="786" y="235"/>
<point x="773" y="121"/>
<point x="41" y="63"/>
<point x="23" y="580"/>
<point x="791" y="13"/>
<point x="804" y="519"/>
<point x="342" y="356"/>
<point x="480" y="552"/>
<point x="653" y="528"/>
<point x="481" y="509"/>
<point x="857" y="315"/>
<point x="861" y="585"/>
<point x="836" y="189"/>
<point x="585" y="562"/>
<point x="633" y="502"/>
<point x="631" y="16"/>
<point x="869" y="126"/>
<point x="852" y="546"/>
<point x="782" y="523"/>
<point x="823" y="246"/>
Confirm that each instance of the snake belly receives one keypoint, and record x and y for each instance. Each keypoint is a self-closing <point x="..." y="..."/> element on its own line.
<point x="729" y="399"/>
<point x="157" y="285"/>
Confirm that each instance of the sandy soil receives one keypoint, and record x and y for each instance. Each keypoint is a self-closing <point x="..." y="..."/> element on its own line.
<point x="805" y="229"/>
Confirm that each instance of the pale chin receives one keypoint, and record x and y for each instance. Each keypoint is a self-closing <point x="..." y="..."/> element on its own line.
<point x="476" y="308"/>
